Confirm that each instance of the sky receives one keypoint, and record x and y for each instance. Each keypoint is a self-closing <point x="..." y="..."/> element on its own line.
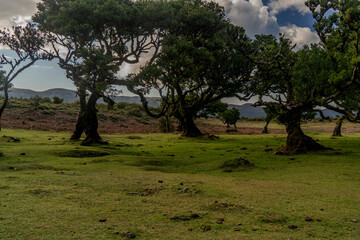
<point x="290" y="17"/>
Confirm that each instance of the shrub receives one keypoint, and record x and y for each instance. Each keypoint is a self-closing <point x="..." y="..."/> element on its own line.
<point x="35" y="101"/>
<point x="58" y="100"/>
<point x="166" y="124"/>
<point x="45" y="100"/>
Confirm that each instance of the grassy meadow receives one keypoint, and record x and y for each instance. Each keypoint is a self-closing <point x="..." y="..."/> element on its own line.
<point x="163" y="186"/>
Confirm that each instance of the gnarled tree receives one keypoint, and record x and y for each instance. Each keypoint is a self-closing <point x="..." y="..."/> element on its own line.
<point x="337" y="25"/>
<point x="203" y="58"/>
<point x="26" y="43"/>
<point x="99" y="37"/>
<point x="289" y="83"/>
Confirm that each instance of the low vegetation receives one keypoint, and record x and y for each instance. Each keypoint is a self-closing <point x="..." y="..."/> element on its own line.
<point x="148" y="187"/>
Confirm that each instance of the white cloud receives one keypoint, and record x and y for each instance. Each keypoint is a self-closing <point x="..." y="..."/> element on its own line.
<point x="11" y="9"/>
<point x="282" y="5"/>
<point x="251" y="15"/>
<point x="42" y="66"/>
<point x="300" y="35"/>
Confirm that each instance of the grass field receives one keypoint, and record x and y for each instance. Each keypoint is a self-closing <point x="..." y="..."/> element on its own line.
<point x="52" y="188"/>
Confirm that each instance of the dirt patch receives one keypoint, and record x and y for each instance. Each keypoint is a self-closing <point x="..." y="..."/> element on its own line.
<point x="82" y="154"/>
<point x="27" y="167"/>
<point x="224" y="207"/>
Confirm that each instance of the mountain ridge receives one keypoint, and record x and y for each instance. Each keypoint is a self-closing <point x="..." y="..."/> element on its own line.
<point x="69" y="96"/>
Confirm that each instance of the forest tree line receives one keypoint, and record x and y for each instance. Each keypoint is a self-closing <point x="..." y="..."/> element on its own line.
<point x="194" y="57"/>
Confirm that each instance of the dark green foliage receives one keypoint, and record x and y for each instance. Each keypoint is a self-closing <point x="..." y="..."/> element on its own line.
<point x="213" y="109"/>
<point x="230" y="116"/>
<point x="35" y="101"/>
<point x="337" y="25"/>
<point x="57" y="100"/>
<point x="45" y="100"/>
<point x="203" y="58"/>
<point x="166" y="124"/>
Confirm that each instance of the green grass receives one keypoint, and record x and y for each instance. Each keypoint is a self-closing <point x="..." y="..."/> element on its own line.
<point x="60" y="190"/>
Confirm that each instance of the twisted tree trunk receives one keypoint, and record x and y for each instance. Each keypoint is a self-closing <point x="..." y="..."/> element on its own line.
<point x="265" y="130"/>
<point x="297" y="141"/>
<point x="189" y="127"/>
<point x="79" y="127"/>
<point x="91" y="122"/>
<point x="337" y="129"/>
<point x="6" y="100"/>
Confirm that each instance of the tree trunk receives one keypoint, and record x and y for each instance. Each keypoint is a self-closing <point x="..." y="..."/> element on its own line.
<point x="6" y="100"/>
<point x="79" y="127"/>
<point x="297" y="141"/>
<point x="337" y="129"/>
<point x="91" y="122"/>
<point x="189" y="127"/>
<point x="265" y="130"/>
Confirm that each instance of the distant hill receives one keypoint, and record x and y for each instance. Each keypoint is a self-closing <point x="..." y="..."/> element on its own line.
<point x="69" y="96"/>
<point x="249" y="111"/>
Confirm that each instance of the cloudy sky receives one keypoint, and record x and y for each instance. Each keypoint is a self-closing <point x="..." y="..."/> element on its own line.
<point x="290" y="17"/>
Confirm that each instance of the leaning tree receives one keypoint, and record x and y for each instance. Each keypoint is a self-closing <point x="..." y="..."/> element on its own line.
<point x="203" y="58"/>
<point x="98" y="36"/>
<point x="289" y="84"/>
<point x="26" y="44"/>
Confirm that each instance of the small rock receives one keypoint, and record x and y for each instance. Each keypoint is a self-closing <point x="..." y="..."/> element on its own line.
<point x="279" y="153"/>
<point x="318" y="220"/>
<point x="308" y="219"/>
<point x="321" y="209"/>
<point x="184" y="218"/>
<point x="254" y="229"/>
<point x="181" y="184"/>
<point x="190" y="229"/>
<point x="292" y="158"/>
<point x="11" y="168"/>
<point x="185" y="190"/>
<point x="293" y="226"/>
<point x="49" y="139"/>
<point x="194" y="215"/>
<point x="131" y="235"/>
<point x="354" y="220"/>
<point x="220" y="221"/>
<point x="133" y="193"/>
<point x="22" y="154"/>
<point x="160" y="181"/>
<point x="116" y="233"/>
<point x="174" y="217"/>
<point x="244" y="148"/>
<point x="236" y="229"/>
<point x="205" y="228"/>
<point x="191" y="156"/>
<point x="102" y="220"/>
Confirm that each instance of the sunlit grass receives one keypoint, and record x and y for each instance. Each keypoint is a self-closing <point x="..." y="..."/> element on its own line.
<point x="52" y="193"/>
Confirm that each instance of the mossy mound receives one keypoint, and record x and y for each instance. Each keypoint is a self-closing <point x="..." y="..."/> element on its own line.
<point x="237" y="163"/>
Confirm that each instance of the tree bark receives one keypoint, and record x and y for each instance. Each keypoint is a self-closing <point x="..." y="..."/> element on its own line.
<point x="189" y="127"/>
<point x="337" y="129"/>
<point x="79" y="127"/>
<point x="91" y="122"/>
<point x="6" y="100"/>
<point x="297" y="141"/>
<point x="265" y="130"/>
